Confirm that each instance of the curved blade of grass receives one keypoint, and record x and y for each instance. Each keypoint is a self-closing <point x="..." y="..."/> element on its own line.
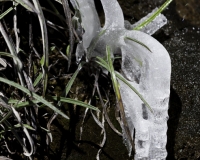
<point x="103" y="63"/>
<point x="151" y="18"/>
<point x="71" y="81"/>
<point x="75" y="102"/>
<point x="135" y="40"/>
<point x="43" y="28"/>
<point x="8" y="11"/>
<point x="34" y="95"/>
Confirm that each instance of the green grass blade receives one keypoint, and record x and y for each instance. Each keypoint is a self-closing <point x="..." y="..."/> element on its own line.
<point x="135" y="40"/>
<point x="37" y="80"/>
<point x="71" y="81"/>
<point x="139" y="95"/>
<point x="118" y="96"/>
<point x="151" y="18"/>
<point x="75" y="102"/>
<point x="34" y="95"/>
<point x="19" y="105"/>
<point x="43" y="28"/>
<point x="68" y="50"/>
<point x="8" y="11"/>
<point x="112" y="72"/>
<point x="103" y="63"/>
<point x="24" y="125"/>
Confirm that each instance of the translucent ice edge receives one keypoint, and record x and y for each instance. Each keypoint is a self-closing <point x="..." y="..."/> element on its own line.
<point x="153" y="26"/>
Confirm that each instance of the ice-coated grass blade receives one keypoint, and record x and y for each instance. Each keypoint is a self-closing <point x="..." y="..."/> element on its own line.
<point x="43" y="28"/>
<point x="136" y="41"/>
<point x="104" y="64"/>
<point x="34" y="95"/>
<point x="151" y="18"/>
<point x="112" y="72"/>
<point x="71" y="81"/>
<point x="139" y="95"/>
<point x="8" y="11"/>
<point x="75" y="102"/>
<point x="118" y="95"/>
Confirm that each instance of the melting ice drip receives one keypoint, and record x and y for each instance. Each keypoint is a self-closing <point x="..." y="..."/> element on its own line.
<point x="148" y="71"/>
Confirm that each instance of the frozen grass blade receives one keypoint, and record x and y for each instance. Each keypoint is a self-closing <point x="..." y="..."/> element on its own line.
<point x="43" y="28"/>
<point x="104" y="64"/>
<point x="151" y="18"/>
<point x="139" y="95"/>
<point x="119" y="98"/>
<point x="136" y="41"/>
<point x="34" y="95"/>
<point x="112" y="72"/>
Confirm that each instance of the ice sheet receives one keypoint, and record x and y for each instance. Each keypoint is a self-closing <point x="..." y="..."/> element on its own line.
<point x="148" y="71"/>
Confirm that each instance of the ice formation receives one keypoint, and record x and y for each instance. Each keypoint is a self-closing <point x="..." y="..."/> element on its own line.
<point x="147" y="70"/>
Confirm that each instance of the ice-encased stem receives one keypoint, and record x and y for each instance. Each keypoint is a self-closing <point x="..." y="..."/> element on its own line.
<point x="154" y="25"/>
